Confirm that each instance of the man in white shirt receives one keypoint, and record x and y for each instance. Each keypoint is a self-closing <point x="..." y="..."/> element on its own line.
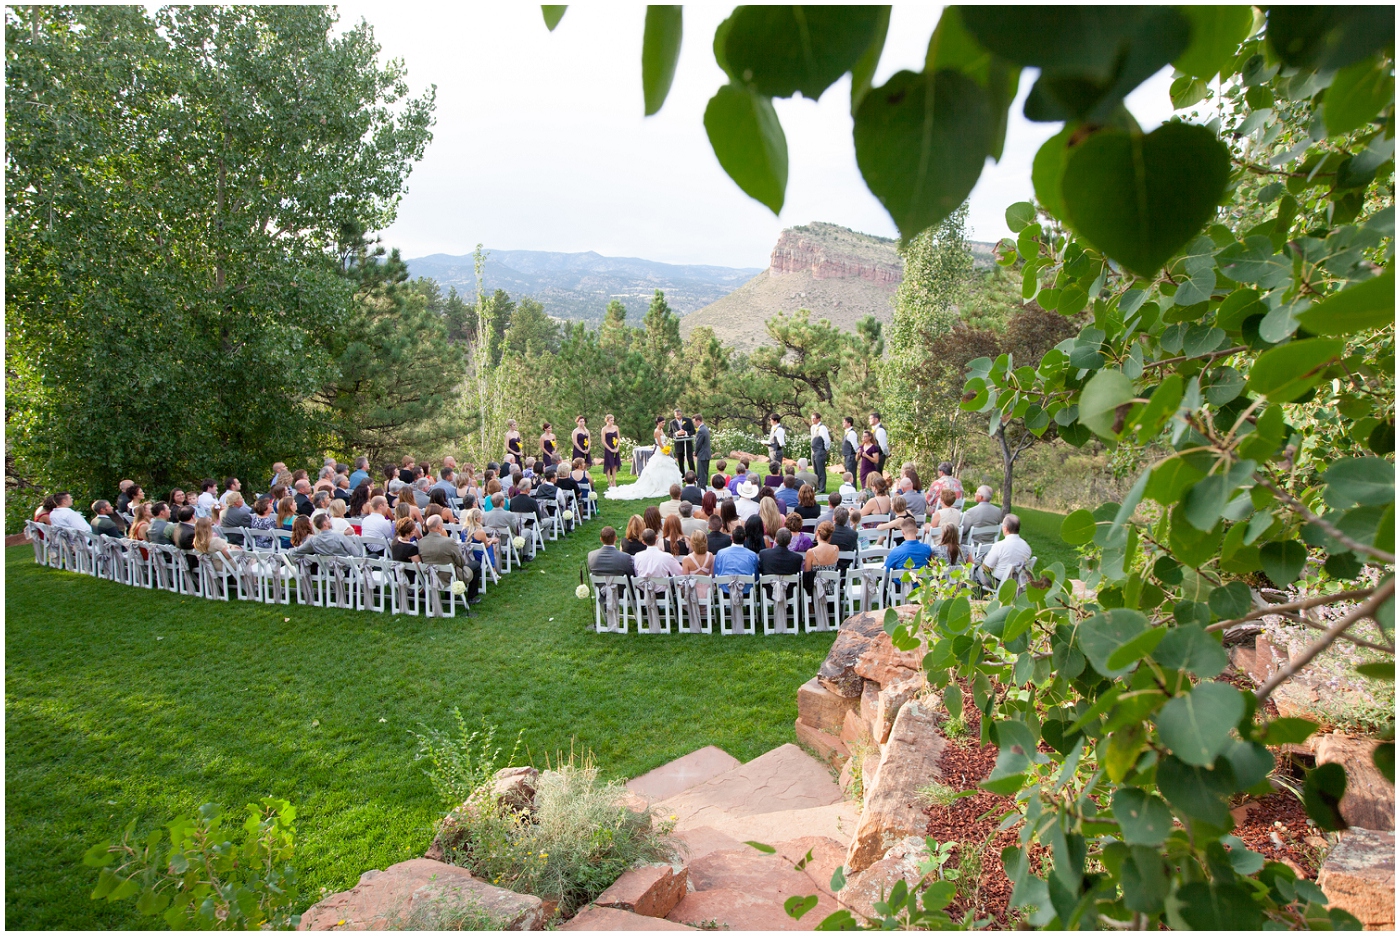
<point x="777" y="439"/>
<point x="204" y="506"/>
<point x="65" y="516"/>
<point x="1009" y="552"/>
<point x="746" y="505"/>
<point x="848" y="491"/>
<point x="231" y="487"/>
<point x="654" y="562"/>
<point x="672" y="507"/>
<point x="378" y="523"/>
<point x="821" y="451"/>
<point x="882" y="439"/>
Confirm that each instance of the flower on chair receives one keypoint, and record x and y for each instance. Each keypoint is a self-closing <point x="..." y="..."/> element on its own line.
<point x="568" y="515"/>
<point x="459" y="588"/>
<point x="519" y="542"/>
<point x="592" y="495"/>
<point x="581" y="592"/>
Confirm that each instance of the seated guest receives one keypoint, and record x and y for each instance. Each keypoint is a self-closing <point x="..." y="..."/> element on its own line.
<point x="673" y="538"/>
<point x="474" y="526"/>
<point x="446" y="483"/>
<point x="709" y="506"/>
<point x="983" y="513"/>
<point x="653" y="561"/>
<point x="124" y="495"/>
<point x="911" y="550"/>
<point x="493" y="487"/>
<point x="699" y="561"/>
<point x="787" y="496"/>
<point x="236" y="515"/>
<point x="804" y="474"/>
<point x="359" y="500"/>
<point x="526" y="505"/>
<point x="377" y="523"/>
<point x="651" y="519"/>
<point x="775" y="475"/>
<point x="403" y="548"/>
<point x="843" y="535"/>
<point x="182" y="537"/>
<point x="728" y="518"/>
<point x="421" y="488"/>
<point x="948" y="548"/>
<point x="439" y="499"/>
<point x="439" y="549"/>
<point x="944" y="482"/>
<point x="608" y="559"/>
<point x="159" y="530"/>
<point x="361" y="472"/>
<point x="231" y="487"/>
<point x="806" y="506"/>
<point x="913" y="498"/>
<point x="691" y="491"/>
<point x="286" y="511"/>
<point x="716" y="538"/>
<point x="737" y="558"/>
<point x="338" y="522"/>
<point x="326" y="542"/>
<point x="740" y="476"/>
<point x="755" y="539"/>
<point x="206" y="543"/>
<point x="320" y="503"/>
<point x="263" y="517"/>
<point x="822" y="556"/>
<point x="779" y="559"/>
<point x="44" y="511"/>
<point x="722" y="469"/>
<point x="342" y="490"/>
<point x="899" y="512"/>
<point x="848" y="491"/>
<point x="1008" y="552"/>
<point x="204" y="506"/>
<point x="303" y="497"/>
<point x="770" y="515"/>
<point x="801" y="541"/>
<point x="632" y="540"/>
<point x="140" y="522"/>
<point x="833" y="500"/>
<point x="102" y="522"/>
<point x="719" y="487"/>
<point x="746" y="504"/>
<point x="672" y="507"/>
<point x="689" y="523"/>
<point x="548" y="491"/>
<point x="949" y="513"/>
<point x="302" y="530"/>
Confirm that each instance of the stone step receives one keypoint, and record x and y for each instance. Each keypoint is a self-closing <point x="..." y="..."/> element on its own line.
<point x="1359" y="876"/>
<point x="1369" y="801"/>
<point x="422" y="894"/>
<point x="598" y="919"/>
<point x="785" y="778"/>
<point x="651" y="890"/>
<point x="683" y="773"/>
<point x="702" y="840"/>
<point x="836" y="822"/>
<point x="745" y="890"/>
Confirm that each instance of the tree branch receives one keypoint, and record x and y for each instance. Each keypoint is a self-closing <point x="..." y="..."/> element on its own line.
<point x="1302" y="605"/>
<point x="1200" y="357"/>
<point x="1324" y="525"/>
<point x="1367" y="609"/>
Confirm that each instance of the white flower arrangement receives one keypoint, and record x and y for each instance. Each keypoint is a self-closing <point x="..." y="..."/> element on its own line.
<point x="581" y="592"/>
<point x="519" y="542"/>
<point x="592" y="495"/>
<point x="459" y="588"/>
<point x="568" y="515"/>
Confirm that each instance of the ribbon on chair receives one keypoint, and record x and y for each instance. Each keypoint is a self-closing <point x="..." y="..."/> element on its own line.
<point x="871" y="579"/>
<point x="821" y="595"/>
<point x="306" y="581"/>
<point x="247" y="568"/>
<point x="404" y="589"/>
<point x="432" y="590"/>
<point x="612" y="611"/>
<point x="653" y="610"/>
<point x="340" y="588"/>
<point x="690" y="598"/>
<point x="736" y="605"/>
<point x="780" y="607"/>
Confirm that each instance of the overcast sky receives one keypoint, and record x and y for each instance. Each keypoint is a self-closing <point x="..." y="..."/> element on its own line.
<point x="540" y="142"/>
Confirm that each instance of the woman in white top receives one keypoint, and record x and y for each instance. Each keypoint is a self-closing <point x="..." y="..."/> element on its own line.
<point x="338" y="522"/>
<point x="949" y="513"/>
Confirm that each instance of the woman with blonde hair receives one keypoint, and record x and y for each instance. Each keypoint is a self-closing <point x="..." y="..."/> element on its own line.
<point x="338" y="522"/>
<point x="673" y="537"/>
<point x="699" y="561"/>
<point x="771" y="517"/>
<point x="205" y="542"/>
<point x="140" y="522"/>
<point x="474" y="525"/>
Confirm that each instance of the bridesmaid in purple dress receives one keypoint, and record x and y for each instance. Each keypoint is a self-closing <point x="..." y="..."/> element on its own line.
<point x="869" y="456"/>
<point x="612" y="449"/>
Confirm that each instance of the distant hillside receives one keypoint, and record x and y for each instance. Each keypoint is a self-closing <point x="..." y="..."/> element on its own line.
<point x="834" y="272"/>
<point x="580" y="285"/>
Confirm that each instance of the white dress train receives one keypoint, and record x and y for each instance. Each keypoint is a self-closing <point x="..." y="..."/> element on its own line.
<point x="653" y="483"/>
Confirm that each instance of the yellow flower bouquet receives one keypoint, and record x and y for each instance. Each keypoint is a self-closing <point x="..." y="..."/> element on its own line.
<point x="665" y="450"/>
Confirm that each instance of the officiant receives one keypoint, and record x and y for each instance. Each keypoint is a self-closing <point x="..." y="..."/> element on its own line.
<point x="682" y="433"/>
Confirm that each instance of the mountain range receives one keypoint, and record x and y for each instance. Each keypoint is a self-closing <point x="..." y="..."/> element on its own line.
<point x="580" y="285"/>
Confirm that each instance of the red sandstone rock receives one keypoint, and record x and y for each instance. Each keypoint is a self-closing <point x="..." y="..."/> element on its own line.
<point x="652" y="890"/>
<point x="856" y="731"/>
<point x="1370" y="799"/>
<point x="420" y="891"/>
<point x="683" y="773"/>
<point x="1359" y="877"/>
<point x="893" y="811"/>
<point x="891" y="699"/>
<point x="599" y="919"/>
<point x="821" y="708"/>
<point x="745" y="890"/>
<point x="827" y="747"/>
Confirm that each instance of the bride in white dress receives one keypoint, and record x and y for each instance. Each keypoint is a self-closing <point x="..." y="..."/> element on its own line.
<point x="656" y="478"/>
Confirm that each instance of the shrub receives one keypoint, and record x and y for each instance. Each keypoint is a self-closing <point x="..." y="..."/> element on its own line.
<point x="207" y="876"/>
<point x="461" y="763"/>
<point x="578" y="839"/>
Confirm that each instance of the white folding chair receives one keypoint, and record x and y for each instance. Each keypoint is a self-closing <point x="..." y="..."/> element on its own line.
<point x="694" y="597"/>
<point x="165" y="564"/>
<point x="826" y="598"/>
<point x="870" y="582"/>
<point x="901" y="583"/>
<point x="782" y="603"/>
<point x="216" y="574"/>
<point x="980" y="540"/>
<point x="871" y="520"/>
<point x="613" y="601"/>
<point x="187" y="572"/>
<point x="438" y="591"/>
<point x="738" y="610"/>
<point x="654" y="599"/>
<point x="38" y="538"/>
<point x="872" y="538"/>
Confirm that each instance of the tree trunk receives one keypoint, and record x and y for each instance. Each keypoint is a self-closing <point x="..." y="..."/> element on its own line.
<point x="1008" y="462"/>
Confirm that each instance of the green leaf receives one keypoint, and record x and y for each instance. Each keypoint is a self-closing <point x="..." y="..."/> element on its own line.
<point x="552" y="15"/>
<point x="1105" y="632"/>
<point x="1137" y="648"/>
<point x="921" y="141"/>
<point x="1357" y="95"/>
<point x="1285" y="373"/>
<point x="1216" y="34"/>
<point x="953" y="700"/>
<point x="661" y="49"/>
<point x="766" y="849"/>
<point x="797" y="907"/>
<point x="1231" y="601"/>
<point x="1323" y="790"/>
<point x="1384" y="671"/>
<point x="1078" y="528"/>
<point x="838" y="878"/>
<point x="1144" y="819"/>
<point x="863" y="72"/>
<point x="1366" y="481"/>
<point x="952" y="46"/>
<point x="1250" y="761"/>
<point x="1214" y="906"/>
<point x="1100" y="402"/>
<point x="1185" y="91"/>
<point x="1048" y="169"/>
<point x="1190" y="648"/>
<point x="1140" y="199"/>
<point x="1384" y="759"/>
<point x="1196" y="727"/>
<point x="1019" y="216"/>
<point x="839" y="921"/>
<point x="749" y="143"/>
<point x="1198" y="794"/>
<point x="1283" y="561"/>
<point x="1288" y="731"/>
<point x="1329" y="37"/>
<point x="779" y="51"/>
<point x="1362" y="307"/>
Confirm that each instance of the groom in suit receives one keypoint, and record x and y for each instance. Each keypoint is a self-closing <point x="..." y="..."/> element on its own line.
<point x="682" y="433"/>
<point x="702" y="451"/>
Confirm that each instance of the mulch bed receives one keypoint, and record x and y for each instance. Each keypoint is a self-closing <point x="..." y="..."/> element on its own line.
<point x="1277" y="828"/>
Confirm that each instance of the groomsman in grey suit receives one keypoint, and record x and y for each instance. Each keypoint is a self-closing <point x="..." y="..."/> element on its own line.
<point x="821" y="448"/>
<point x="702" y="451"/>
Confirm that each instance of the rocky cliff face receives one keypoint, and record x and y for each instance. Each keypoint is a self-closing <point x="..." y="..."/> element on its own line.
<point x="822" y="250"/>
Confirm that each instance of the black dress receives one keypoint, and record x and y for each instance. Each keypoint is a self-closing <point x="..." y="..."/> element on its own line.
<point x="580" y="451"/>
<point x="612" y="461"/>
<point x="550" y="446"/>
<point x="513" y="448"/>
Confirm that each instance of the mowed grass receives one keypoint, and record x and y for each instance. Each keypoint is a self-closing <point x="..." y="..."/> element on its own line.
<point x="123" y="703"/>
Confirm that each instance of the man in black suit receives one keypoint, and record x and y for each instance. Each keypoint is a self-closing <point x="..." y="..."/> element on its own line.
<point x="608" y="559"/>
<point x="682" y="433"/>
<point x="702" y="449"/>
<point x="183" y="536"/>
<point x="691" y="492"/>
<point x="843" y="537"/>
<point x="303" y="498"/>
<point x="778" y="559"/>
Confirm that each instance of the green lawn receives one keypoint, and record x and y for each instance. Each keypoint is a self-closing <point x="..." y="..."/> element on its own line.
<point x="123" y="703"/>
